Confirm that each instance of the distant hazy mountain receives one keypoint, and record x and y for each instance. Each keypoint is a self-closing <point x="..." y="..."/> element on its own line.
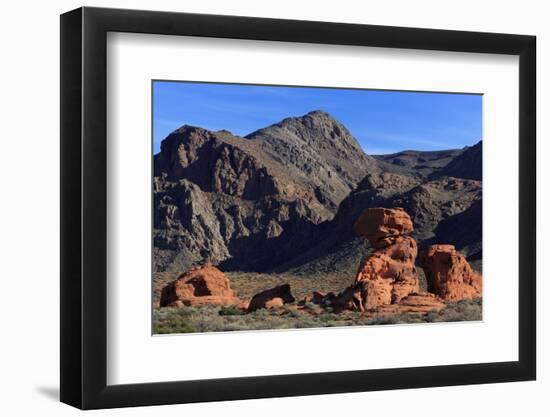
<point x="422" y="163"/>
<point x="285" y="196"/>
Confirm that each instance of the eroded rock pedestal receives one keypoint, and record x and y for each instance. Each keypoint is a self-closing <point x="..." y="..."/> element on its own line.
<point x="449" y="274"/>
<point x="202" y="285"/>
<point x="389" y="274"/>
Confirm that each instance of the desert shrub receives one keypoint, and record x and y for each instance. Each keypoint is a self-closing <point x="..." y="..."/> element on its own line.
<point x="231" y="311"/>
<point x="313" y="308"/>
<point x="464" y="310"/>
<point x="404" y="318"/>
<point x="307" y="323"/>
<point x="262" y="312"/>
<point x="382" y="320"/>
<point x="207" y="322"/>
<point x="410" y="319"/>
<point x="275" y="322"/>
<point x="291" y="312"/>
<point x="327" y="318"/>
<point x="171" y="320"/>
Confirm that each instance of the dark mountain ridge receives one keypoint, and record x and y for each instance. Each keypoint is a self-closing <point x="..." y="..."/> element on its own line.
<point x="466" y="165"/>
<point x="418" y="163"/>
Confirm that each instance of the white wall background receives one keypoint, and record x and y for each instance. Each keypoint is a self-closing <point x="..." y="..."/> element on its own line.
<point x="29" y="219"/>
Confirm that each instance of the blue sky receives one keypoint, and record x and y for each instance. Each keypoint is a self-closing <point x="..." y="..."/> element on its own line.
<point x="382" y="121"/>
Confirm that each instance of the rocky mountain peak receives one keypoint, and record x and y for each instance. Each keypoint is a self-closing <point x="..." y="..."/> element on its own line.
<point x="321" y="117"/>
<point x="319" y="113"/>
<point x="185" y="134"/>
<point x="316" y="125"/>
<point x="319" y="148"/>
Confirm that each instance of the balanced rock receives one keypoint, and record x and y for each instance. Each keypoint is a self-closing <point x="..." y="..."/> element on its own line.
<point x="271" y="298"/>
<point x="389" y="274"/>
<point x="202" y="285"/>
<point x="381" y="226"/>
<point x="449" y="274"/>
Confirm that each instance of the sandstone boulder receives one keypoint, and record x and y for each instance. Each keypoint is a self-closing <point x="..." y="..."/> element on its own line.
<point x="449" y="274"/>
<point x="319" y="298"/>
<point x="353" y="298"/>
<point x="202" y="285"/>
<point x="271" y="298"/>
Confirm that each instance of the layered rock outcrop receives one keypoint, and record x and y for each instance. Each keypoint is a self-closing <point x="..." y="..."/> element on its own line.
<point x="389" y="274"/>
<point x="417" y="303"/>
<point x="199" y="286"/>
<point x="271" y="298"/>
<point x="449" y="274"/>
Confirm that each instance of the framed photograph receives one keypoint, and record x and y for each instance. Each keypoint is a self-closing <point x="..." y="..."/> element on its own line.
<point x="257" y="208"/>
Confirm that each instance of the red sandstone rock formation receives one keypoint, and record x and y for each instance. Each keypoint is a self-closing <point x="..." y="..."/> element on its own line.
<point x="349" y="299"/>
<point x="449" y="274"/>
<point x="418" y="303"/>
<point x="381" y="226"/>
<point x="352" y="298"/>
<point x="202" y="285"/>
<point x="389" y="274"/>
<point x="274" y="297"/>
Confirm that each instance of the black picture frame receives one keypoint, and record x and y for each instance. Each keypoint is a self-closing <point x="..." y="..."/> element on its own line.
<point x="84" y="207"/>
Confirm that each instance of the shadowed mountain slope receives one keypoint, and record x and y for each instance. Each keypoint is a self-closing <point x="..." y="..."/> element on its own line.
<point x="429" y="203"/>
<point x="466" y="165"/>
